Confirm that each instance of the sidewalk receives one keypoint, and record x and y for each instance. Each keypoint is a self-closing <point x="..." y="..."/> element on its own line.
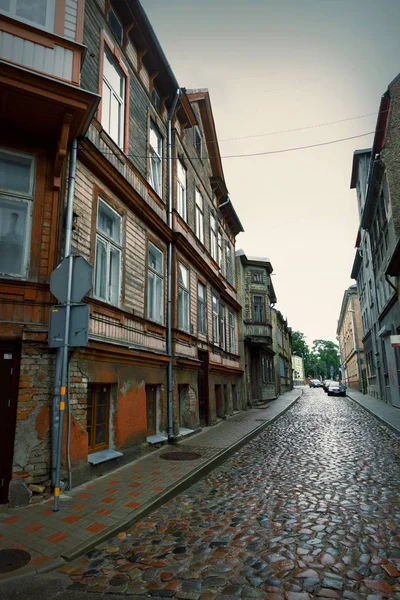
<point x="97" y="510"/>
<point x="386" y="413"/>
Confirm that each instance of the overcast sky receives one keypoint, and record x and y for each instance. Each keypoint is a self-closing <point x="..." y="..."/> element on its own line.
<point x="274" y="65"/>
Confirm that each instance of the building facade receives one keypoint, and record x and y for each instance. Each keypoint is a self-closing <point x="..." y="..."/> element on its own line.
<point x="298" y="370"/>
<point x="349" y="335"/>
<point x="380" y="218"/>
<point x="151" y="214"/>
<point x="282" y="346"/>
<point x="256" y="295"/>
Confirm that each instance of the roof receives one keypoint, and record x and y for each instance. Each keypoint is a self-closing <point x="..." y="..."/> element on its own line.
<point x="256" y="261"/>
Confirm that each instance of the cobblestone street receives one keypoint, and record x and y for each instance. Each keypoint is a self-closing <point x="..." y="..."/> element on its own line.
<point x="309" y="509"/>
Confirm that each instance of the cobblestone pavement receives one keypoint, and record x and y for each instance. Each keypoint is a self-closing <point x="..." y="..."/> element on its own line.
<point x="309" y="509"/>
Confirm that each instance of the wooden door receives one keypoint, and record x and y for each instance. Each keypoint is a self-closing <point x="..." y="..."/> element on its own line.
<point x="202" y="387"/>
<point x="151" y="409"/>
<point x="9" y="374"/>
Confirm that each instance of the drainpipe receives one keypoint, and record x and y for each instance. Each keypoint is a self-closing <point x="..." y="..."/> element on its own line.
<point x="62" y="356"/>
<point x="170" y="381"/>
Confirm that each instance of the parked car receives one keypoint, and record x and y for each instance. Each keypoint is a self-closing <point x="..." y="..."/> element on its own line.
<point x="315" y="383"/>
<point x="336" y="388"/>
<point x="325" y="384"/>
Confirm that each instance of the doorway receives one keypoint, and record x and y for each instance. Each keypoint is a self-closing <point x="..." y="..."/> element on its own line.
<point x="202" y="387"/>
<point x="9" y="376"/>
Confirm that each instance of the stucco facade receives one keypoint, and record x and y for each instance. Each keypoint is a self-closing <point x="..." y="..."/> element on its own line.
<point x="349" y="334"/>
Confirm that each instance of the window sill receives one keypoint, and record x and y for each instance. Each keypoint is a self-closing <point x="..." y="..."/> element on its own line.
<point x="156" y="439"/>
<point x="183" y="431"/>
<point x="103" y="456"/>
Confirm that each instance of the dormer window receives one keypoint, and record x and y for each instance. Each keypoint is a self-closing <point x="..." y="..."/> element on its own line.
<point x="198" y="141"/>
<point x="39" y="13"/>
<point x="115" y="25"/>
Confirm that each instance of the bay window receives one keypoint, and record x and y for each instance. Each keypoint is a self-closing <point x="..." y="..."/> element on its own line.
<point x="183" y="297"/>
<point x="108" y="254"/>
<point x="17" y="183"/>
<point x="155" y="284"/>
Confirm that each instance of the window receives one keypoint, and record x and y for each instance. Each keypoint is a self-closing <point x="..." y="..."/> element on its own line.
<point x="228" y="257"/>
<point x="231" y="324"/>
<point x="39" y="13"/>
<point x="17" y="178"/>
<point x="155" y="284"/>
<point x="98" y="417"/>
<point x="108" y="254"/>
<point x="198" y="141"/>
<point x="199" y="216"/>
<point x="222" y="326"/>
<point x="257" y="276"/>
<point x="156" y="155"/>
<point x="115" y="25"/>
<point x="181" y="181"/>
<point x="155" y="96"/>
<point x="213" y="238"/>
<point x="220" y="250"/>
<point x="215" y="319"/>
<point x="258" y="309"/>
<point x="202" y="308"/>
<point x="183" y="298"/>
<point x="113" y="100"/>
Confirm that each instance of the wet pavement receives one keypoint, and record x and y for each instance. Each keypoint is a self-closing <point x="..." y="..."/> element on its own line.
<point x="309" y="509"/>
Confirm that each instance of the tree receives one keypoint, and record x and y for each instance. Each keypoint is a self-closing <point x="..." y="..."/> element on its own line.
<point x="300" y="348"/>
<point x="324" y="355"/>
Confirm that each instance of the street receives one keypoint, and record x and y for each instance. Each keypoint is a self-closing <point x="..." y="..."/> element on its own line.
<point x="309" y="509"/>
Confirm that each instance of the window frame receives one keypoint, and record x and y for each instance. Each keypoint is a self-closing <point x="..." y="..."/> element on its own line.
<point x="222" y="325"/>
<point x="201" y="309"/>
<point x="107" y="44"/>
<point x="110" y="243"/>
<point x="181" y="191"/>
<point x="51" y="11"/>
<point x="257" y="276"/>
<point x="151" y="272"/>
<point x="215" y="319"/>
<point x="93" y="447"/>
<point x="27" y="198"/>
<point x="261" y="304"/>
<point x="198" y="145"/>
<point x="220" y="250"/>
<point x="232" y="336"/>
<point x="228" y="262"/>
<point x="183" y="292"/>
<point x="213" y="238"/>
<point x="158" y="188"/>
<point x="199" y="215"/>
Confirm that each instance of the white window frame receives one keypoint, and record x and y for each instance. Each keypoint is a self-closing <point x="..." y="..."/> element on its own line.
<point x="156" y="161"/>
<point x="181" y="174"/>
<point x="27" y="198"/>
<point x="199" y="216"/>
<point x="110" y="244"/>
<point x="201" y="308"/>
<point x="232" y="340"/>
<point x="155" y="305"/>
<point x="213" y="238"/>
<point x="121" y="100"/>
<point x="215" y="320"/>
<point x="220" y="250"/>
<point x="50" y="15"/>
<point x="222" y="325"/>
<point x="184" y="300"/>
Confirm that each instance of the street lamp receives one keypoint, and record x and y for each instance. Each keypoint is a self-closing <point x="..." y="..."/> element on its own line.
<point x="351" y="310"/>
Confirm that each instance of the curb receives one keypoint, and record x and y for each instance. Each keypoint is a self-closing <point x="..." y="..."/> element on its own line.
<point x="378" y="417"/>
<point x="152" y="504"/>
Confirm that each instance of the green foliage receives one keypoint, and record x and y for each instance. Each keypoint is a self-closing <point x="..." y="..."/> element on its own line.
<point x="318" y="360"/>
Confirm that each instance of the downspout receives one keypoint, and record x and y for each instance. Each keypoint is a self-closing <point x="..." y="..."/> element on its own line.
<point x="170" y="382"/>
<point x="62" y="356"/>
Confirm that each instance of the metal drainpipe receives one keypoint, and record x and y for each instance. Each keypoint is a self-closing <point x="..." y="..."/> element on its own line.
<point x="170" y="381"/>
<point x="62" y="357"/>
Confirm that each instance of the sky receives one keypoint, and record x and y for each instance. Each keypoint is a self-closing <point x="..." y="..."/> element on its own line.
<point x="275" y="65"/>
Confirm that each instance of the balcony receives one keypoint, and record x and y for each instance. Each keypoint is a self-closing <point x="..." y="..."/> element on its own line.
<point x="259" y="334"/>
